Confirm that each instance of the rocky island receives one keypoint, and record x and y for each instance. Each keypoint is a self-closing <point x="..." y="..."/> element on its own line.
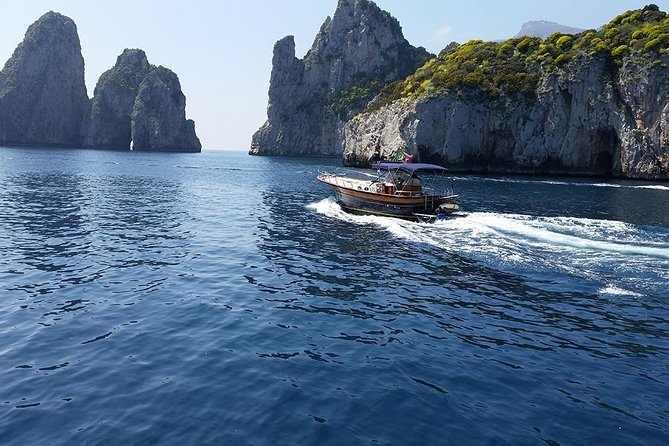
<point x="591" y="103"/>
<point x="43" y="99"/>
<point x="356" y="52"/>
<point x="140" y="103"/>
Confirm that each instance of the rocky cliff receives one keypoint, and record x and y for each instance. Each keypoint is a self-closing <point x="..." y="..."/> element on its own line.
<point x="355" y="53"/>
<point x="43" y="97"/>
<point x="595" y="104"/>
<point x="139" y="103"/>
<point x="111" y="107"/>
<point x="159" y="117"/>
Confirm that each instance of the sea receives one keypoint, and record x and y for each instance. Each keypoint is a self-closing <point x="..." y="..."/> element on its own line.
<point x="225" y="299"/>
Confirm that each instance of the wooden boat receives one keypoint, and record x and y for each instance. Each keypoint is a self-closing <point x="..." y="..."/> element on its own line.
<point x="396" y="191"/>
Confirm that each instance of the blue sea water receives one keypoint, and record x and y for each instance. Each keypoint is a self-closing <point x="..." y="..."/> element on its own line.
<point x="219" y="298"/>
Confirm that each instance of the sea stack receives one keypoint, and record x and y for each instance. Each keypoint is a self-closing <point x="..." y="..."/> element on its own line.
<point x="111" y="107"/>
<point x="159" y="115"/>
<point x="140" y="104"/>
<point x="355" y="53"/>
<point x="43" y="97"/>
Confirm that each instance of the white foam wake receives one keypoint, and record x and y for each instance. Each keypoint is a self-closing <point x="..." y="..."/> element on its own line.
<point x="611" y="290"/>
<point x="567" y="183"/>
<point x="600" y="250"/>
<point x="564" y="232"/>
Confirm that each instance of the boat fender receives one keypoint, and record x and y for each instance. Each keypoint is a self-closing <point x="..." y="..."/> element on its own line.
<point x="441" y="216"/>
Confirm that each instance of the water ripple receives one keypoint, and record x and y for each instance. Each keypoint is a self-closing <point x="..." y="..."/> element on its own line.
<point x="135" y="286"/>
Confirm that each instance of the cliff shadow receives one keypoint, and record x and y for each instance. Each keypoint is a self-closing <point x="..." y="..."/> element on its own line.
<point x="605" y="151"/>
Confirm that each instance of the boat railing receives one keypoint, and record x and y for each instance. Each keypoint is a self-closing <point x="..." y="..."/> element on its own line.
<point x="338" y="179"/>
<point x="345" y="180"/>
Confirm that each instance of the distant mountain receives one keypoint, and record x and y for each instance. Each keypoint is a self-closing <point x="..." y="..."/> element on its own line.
<point x="544" y="29"/>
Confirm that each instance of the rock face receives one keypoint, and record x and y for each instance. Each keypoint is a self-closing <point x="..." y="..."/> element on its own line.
<point x="543" y="29"/>
<point x="139" y="103"/>
<point x="43" y="98"/>
<point x="355" y="53"/>
<point x="111" y="107"/>
<point x="588" y="118"/>
<point x="159" y="117"/>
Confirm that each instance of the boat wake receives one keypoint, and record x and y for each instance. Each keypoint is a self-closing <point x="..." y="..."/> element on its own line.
<point x="566" y="183"/>
<point x="624" y="259"/>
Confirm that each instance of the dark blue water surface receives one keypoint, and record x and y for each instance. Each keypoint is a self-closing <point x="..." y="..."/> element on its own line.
<point x="218" y="298"/>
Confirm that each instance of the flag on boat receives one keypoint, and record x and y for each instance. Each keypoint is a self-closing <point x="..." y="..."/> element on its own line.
<point x="402" y="156"/>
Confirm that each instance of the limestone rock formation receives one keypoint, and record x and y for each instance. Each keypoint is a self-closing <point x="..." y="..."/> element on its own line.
<point x="355" y="53"/>
<point x="159" y="117"/>
<point x="140" y="103"/>
<point x="111" y="107"/>
<point x="43" y="97"/>
<point x="595" y="103"/>
<point x="587" y="119"/>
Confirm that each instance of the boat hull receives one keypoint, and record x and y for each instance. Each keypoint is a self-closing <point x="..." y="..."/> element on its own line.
<point x="399" y="206"/>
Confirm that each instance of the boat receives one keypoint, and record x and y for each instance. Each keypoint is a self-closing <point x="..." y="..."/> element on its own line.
<point x="397" y="190"/>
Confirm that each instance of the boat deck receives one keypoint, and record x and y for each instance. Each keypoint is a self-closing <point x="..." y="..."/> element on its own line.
<point x="374" y="186"/>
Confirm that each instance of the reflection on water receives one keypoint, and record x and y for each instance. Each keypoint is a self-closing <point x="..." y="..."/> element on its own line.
<point x="360" y="275"/>
<point x="379" y="282"/>
<point x="69" y="236"/>
<point x="626" y="201"/>
<point x="134" y="285"/>
<point x="408" y="285"/>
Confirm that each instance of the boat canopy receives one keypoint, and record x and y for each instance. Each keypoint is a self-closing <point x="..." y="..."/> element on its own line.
<point x="409" y="167"/>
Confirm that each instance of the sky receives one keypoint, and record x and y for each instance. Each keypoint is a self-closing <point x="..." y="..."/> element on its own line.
<point x="222" y="50"/>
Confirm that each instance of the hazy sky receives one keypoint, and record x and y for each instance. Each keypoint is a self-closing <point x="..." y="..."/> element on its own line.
<point x="222" y="50"/>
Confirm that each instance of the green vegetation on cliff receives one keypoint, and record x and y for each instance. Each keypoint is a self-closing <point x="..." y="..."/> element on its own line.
<point x="355" y="97"/>
<point x="515" y="66"/>
<point x="364" y="87"/>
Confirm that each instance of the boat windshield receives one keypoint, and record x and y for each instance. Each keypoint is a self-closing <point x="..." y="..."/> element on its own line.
<point x="405" y="177"/>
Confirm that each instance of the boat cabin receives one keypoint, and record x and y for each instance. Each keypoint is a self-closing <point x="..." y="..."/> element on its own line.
<point x="402" y="178"/>
<point x="399" y="182"/>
